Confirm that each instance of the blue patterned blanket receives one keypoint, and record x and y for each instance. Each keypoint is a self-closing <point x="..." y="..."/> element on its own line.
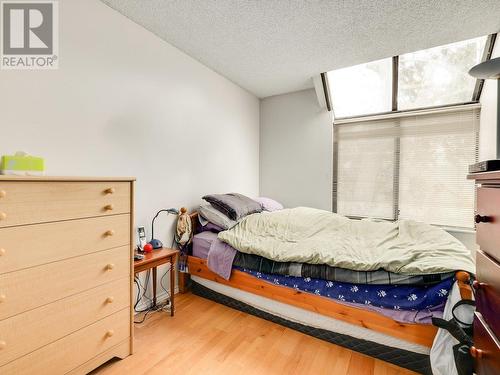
<point x="396" y="297"/>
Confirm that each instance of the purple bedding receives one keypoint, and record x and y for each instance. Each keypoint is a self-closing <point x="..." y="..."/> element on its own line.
<point x="220" y="255"/>
<point x="202" y="242"/>
<point x="209" y="227"/>
<point x="220" y="258"/>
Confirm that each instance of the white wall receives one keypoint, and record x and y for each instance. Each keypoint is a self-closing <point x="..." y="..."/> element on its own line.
<point x="296" y="150"/>
<point x="124" y="102"/>
<point x="488" y="130"/>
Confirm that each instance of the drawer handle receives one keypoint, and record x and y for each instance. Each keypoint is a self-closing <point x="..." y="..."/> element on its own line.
<point x="475" y="352"/>
<point x="109" y="233"/>
<point x="3" y="297"/>
<point x="108" y="207"/>
<point x="110" y="266"/>
<point x="3" y="345"/>
<point x="109" y="191"/>
<point x="110" y="299"/>
<point x="3" y="193"/>
<point x="110" y="333"/>
<point x="482" y="219"/>
<point x="478" y="285"/>
<point x="2" y="251"/>
<point x="3" y="216"/>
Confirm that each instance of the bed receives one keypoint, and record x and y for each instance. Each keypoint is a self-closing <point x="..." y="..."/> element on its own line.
<point x="368" y="332"/>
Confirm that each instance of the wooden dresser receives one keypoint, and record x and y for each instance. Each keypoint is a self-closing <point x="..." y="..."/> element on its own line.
<point x="486" y="349"/>
<point x="66" y="263"/>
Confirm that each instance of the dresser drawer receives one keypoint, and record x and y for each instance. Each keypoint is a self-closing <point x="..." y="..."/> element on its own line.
<point x="488" y="290"/>
<point x="32" y="245"/>
<point x="38" y="202"/>
<point x="26" y="332"/>
<point x="71" y="351"/>
<point x="488" y="230"/>
<point x="487" y="360"/>
<point x="33" y="287"/>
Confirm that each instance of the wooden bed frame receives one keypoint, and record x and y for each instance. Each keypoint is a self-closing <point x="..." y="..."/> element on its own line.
<point x="415" y="333"/>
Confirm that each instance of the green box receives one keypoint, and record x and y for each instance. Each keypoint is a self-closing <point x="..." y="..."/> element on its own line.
<point x="22" y="164"/>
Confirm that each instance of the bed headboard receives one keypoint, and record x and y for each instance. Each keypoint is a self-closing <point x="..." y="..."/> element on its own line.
<point x="194" y="221"/>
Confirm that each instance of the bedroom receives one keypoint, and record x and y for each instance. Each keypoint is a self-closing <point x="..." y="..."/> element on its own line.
<point x="370" y="125"/>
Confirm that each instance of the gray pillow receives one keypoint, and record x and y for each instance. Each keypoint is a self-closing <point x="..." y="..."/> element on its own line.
<point x="233" y="205"/>
<point x="216" y="217"/>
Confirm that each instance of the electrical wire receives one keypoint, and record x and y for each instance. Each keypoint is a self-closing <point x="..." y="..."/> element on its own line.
<point x="165" y="306"/>
<point x="142" y="295"/>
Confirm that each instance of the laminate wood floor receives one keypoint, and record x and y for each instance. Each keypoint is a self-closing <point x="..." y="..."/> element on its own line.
<point x="205" y="337"/>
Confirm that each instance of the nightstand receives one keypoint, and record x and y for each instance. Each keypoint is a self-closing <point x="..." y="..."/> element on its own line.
<point x="154" y="259"/>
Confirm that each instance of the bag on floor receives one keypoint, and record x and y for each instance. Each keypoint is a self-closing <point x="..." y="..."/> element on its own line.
<point x="450" y="353"/>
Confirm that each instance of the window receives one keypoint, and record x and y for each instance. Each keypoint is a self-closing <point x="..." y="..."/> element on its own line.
<point x="439" y="76"/>
<point x="407" y="162"/>
<point x="362" y="89"/>
<point x="429" y="78"/>
<point x="365" y="169"/>
<point x="408" y="166"/>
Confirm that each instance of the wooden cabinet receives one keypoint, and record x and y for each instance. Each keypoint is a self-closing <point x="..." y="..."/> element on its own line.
<point x="486" y="349"/>
<point x="66" y="250"/>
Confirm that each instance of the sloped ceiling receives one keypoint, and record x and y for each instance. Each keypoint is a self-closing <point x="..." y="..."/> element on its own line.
<point x="271" y="47"/>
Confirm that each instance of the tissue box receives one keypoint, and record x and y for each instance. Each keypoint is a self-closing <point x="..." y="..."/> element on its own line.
<point x="22" y="165"/>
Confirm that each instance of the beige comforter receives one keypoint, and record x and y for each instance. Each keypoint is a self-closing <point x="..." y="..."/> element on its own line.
<point x="308" y="235"/>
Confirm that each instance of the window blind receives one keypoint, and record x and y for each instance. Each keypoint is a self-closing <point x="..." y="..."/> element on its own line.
<point x="365" y="169"/>
<point x="409" y="166"/>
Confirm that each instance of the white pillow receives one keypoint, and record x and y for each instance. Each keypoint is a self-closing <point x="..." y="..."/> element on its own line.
<point x="269" y="204"/>
<point x="216" y="217"/>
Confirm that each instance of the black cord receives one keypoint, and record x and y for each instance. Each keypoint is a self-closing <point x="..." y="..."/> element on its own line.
<point x="159" y="307"/>
<point x="169" y="210"/>
<point x="143" y="294"/>
<point x="161" y="282"/>
<point x="138" y="297"/>
<point x="144" y="317"/>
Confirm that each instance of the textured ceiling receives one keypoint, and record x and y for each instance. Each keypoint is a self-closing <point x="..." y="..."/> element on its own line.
<point x="272" y="47"/>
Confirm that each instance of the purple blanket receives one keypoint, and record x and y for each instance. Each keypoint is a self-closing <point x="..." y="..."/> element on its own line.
<point x="220" y="258"/>
<point x="419" y="317"/>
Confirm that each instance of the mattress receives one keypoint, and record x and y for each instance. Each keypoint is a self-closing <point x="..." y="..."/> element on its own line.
<point x="202" y="242"/>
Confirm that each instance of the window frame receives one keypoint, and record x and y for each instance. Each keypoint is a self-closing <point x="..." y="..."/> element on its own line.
<point x="476" y="95"/>
<point x="395" y="112"/>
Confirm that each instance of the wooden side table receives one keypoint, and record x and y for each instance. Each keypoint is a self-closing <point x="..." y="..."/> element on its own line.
<point x="154" y="259"/>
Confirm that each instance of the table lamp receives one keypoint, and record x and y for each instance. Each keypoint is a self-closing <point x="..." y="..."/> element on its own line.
<point x="154" y="242"/>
